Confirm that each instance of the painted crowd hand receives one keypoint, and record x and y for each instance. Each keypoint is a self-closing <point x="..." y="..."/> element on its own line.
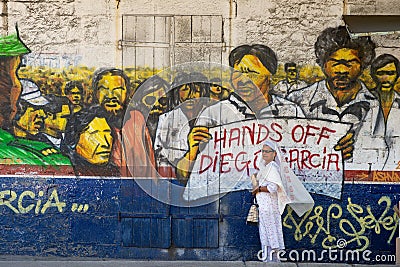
<point x="346" y="145"/>
<point x="198" y="135"/>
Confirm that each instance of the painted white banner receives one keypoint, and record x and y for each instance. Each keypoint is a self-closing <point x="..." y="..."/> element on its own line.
<point x="233" y="154"/>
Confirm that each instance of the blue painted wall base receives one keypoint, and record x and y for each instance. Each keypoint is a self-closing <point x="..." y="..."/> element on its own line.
<point x="114" y="218"/>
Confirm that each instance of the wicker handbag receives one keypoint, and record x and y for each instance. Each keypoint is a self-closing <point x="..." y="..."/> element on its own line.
<point x="252" y="216"/>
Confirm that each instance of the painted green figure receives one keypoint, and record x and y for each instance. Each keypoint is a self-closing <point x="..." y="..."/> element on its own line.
<point x="11" y="51"/>
<point x="28" y="152"/>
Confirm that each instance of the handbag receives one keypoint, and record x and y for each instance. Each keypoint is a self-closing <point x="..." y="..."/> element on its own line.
<point x="252" y="216"/>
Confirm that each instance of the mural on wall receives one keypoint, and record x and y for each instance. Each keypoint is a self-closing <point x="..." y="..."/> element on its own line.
<point x="22" y="114"/>
<point x="385" y="70"/>
<point x="77" y="119"/>
<point x="205" y="128"/>
<point x="290" y="83"/>
<point x="233" y="154"/>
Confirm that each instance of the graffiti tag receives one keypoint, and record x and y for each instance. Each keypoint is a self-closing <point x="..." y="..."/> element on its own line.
<point x="386" y="176"/>
<point x="354" y="224"/>
<point x="29" y="201"/>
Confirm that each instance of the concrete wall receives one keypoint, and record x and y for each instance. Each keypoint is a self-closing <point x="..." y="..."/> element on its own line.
<point x="289" y="27"/>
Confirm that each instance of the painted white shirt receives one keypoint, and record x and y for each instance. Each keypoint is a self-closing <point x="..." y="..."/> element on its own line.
<point x="317" y="102"/>
<point x="234" y="109"/>
<point x="283" y="88"/>
<point x="55" y="141"/>
<point x="171" y="143"/>
<point x="387" y="135"/>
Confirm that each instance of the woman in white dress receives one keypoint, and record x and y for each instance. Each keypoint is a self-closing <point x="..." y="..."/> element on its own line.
<point x="275" y="186"/>
<point x="267" y="183"/>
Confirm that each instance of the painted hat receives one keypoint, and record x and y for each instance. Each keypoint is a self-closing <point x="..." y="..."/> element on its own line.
<point x="12" y="45"/>
<point x="31" y="93"/>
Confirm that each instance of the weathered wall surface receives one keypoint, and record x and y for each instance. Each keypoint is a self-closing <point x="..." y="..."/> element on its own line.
<point x="71" y="143"/>
<point x="82" y="28"/>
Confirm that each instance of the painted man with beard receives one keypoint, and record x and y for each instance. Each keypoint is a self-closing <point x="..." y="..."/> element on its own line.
<point x="342" y="96"/>
<point x="132" y="148"/>
<point x="111" y="89"/>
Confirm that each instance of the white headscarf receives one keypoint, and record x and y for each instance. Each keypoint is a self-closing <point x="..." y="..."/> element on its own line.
<point x="290" y="190"/>
<point x="274" y="146"/>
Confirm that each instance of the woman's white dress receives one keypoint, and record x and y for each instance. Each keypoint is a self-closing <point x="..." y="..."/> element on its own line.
<point x="270" y="224"/>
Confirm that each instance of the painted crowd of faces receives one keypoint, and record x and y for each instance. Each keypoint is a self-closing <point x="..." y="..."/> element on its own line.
<point x="83" y="121"/>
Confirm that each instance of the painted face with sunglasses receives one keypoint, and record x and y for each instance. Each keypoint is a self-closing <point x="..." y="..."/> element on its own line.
<point x="156" y="101"/>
